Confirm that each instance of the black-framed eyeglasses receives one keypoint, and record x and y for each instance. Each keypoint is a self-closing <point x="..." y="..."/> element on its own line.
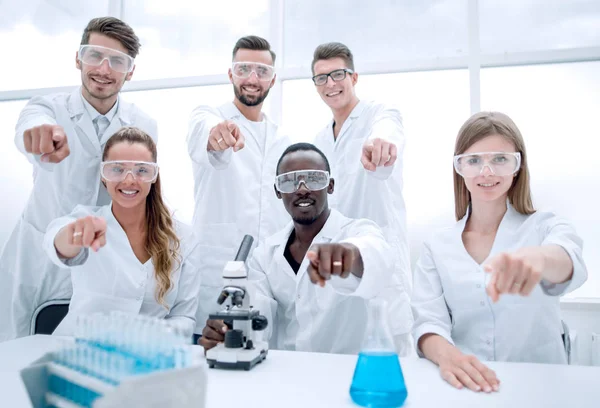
<point x="337" y="75"/>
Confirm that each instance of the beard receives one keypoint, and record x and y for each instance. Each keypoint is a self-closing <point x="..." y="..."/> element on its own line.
<point x="247" y="100"/>
<point x="97" y="95"/>
<point x="305" y="220"/>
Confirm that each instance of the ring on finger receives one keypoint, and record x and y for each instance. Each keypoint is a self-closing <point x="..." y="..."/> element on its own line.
<point x="220" y="140"/>
<point x="77" y="234"/>
<point x="337" y="263"/>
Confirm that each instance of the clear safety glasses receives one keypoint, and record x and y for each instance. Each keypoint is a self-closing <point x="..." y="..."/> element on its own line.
<point x="500" y="163"/>
<point x="337" y="75"/>
<point x="96" y="54"/>
<point x="243" y="70"/>
<point x="117" y="171"/>
<point x="313" y="180"/>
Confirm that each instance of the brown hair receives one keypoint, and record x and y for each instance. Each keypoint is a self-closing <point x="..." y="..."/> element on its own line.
<point x="476" y="128"/>
<point x="162" y="242"/>
<point x="255" y="43"/>
<point x="116" y="29"/>
<point x="333" y="50"/>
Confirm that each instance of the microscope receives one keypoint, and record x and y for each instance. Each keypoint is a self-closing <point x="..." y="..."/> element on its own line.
<point x="241" y="348"/>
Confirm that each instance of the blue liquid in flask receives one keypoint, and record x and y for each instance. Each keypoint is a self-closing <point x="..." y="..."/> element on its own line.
<point x="378" y="380"/>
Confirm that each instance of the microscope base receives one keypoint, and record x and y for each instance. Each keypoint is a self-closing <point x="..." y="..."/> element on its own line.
<point x="222" y="357"/>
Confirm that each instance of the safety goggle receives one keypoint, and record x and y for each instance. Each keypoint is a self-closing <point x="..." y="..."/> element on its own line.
<point x="117" y="171"/>
<point x="313" y="180"/>
<point x="500" y="163"/>
<point x="337" y="75"/>
<point x="95" y="55"/>
<point x="244" y="69"/>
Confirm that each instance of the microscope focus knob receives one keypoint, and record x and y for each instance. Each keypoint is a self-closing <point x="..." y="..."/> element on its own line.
<point x="234" y="339"/>
<point x="259" y="323"/>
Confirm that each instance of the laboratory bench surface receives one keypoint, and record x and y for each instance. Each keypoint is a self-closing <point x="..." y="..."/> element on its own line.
<point x="298" y="379"/>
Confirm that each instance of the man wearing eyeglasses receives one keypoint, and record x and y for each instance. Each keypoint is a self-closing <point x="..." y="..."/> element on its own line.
<point x="363" y="143"/>
<point x="234" y="149"/>
<point x="63" y="135"/>
<point x="315" y="277"/>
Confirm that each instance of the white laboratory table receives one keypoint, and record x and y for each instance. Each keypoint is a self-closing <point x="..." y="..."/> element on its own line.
<point x="297" y="379"/>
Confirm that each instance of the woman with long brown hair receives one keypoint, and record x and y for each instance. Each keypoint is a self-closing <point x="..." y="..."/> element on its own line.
<point x="141" y="259"/>
<point x="488" y="288"/>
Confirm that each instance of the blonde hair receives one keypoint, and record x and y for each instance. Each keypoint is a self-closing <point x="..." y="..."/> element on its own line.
<point x="162" y="242"/>
<point x="476" y="128"/>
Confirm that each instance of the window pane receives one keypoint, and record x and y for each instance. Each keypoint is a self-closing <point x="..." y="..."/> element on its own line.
<point x="556" y="108"/>
<point x="188" y="37"/>
<point x="377" y="30"/>
<point x="171" y="108"/>
<point x="39" y="41"/>
<point x="528" y="25"/>
<point x="15" y="171"/>
<point x="433" y="105"/>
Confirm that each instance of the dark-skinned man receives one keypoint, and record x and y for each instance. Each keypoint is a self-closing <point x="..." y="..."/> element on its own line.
<point x="315" y="277"/>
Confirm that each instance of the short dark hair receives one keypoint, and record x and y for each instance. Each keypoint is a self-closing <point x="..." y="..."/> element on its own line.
<point x="333" y="50"/>
<point x="114" y="28"/>
<point x="303" y="147"/>
<point x="255" y="43"/>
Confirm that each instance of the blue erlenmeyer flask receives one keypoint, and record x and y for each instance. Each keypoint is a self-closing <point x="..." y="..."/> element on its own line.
<point x="378" y="379"/>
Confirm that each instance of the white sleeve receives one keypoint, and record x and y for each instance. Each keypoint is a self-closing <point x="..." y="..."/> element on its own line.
<point x="558" y="231"/>
<point x="387" y="125"/>
<point x="54" y="228"/>
<point x="377" y="261"/>
<point x="264" y="300"/>
<point x="202" y="120"/>
<point x="38" y="111"/>
<point x="183" y="312"/>
<point x="428" y="302"/>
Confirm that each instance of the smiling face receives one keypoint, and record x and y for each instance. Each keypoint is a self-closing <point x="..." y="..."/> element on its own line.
<point x="487" y="186"/>
<point x="102" y="83"/>
<point x="251" y="91"/>
<point x="130" y="192"/>
<point x="336" y="94"/>
<point x="305" y="206"/>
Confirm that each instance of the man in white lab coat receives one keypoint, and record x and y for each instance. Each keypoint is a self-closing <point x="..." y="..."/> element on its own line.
<point x="234" y="150"/>
<point x="314" y="277"/>
<point x="63" y="135"/>
<point x="364" y="143"/>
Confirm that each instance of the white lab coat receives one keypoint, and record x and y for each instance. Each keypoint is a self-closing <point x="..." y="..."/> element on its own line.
<point x="449" y="296"/>
<point x="114" y="279"/>
<point x="376" y="196"/>
<point x="333" y="319"/>
<point x="28" y="277"/>
<point x="234" y="195"/>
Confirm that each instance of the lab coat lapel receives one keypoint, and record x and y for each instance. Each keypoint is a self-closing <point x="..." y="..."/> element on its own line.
<point x="354" y="115"/>
<point x="279" y="240"/>
<point x="81" y="118"/>
<point x="505" y="235"/>
<point x="325" y="236"/>
<point x="271" y="134"/>
<point x="121" y="119"/>
<point x="507" y="231"/>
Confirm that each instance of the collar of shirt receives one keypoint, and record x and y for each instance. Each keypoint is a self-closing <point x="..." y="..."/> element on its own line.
<point x="330" y="230"/>
<point x="94" y="114"/>
<point x="230" y="111"/>
<point x="355" y="114"/>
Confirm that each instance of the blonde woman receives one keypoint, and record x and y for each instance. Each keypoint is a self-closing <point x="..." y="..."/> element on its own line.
<point x="488" y="288"/>
<point x="142" y="261"/>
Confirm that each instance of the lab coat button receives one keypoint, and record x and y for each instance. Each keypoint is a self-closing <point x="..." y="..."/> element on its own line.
<point x="138" y="298"/>
<point x="482" y="303"/>
<point x="478" y="285"/>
